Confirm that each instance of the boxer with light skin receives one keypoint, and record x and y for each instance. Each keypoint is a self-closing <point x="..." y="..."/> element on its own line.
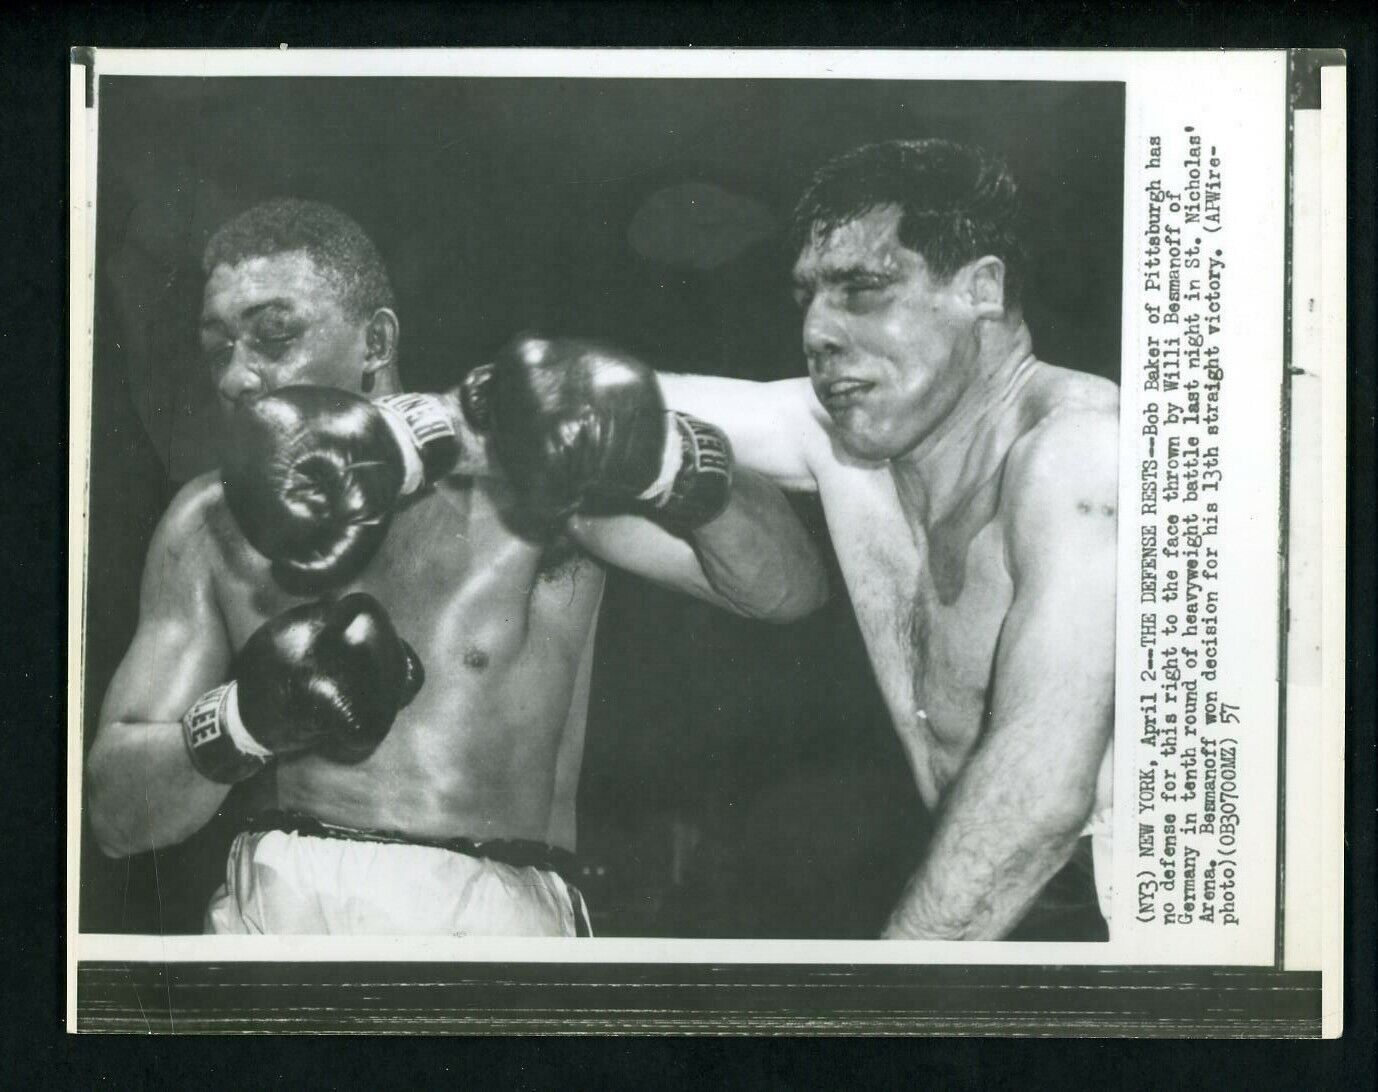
<point x="425" y="746"/>
<point x="970" y="492"/>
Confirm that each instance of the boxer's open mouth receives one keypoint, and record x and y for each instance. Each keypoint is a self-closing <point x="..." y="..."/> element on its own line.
<point x="841" y="393"/>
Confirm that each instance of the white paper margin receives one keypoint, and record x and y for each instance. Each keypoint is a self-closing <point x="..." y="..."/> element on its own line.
<point x="1245" y="97"/>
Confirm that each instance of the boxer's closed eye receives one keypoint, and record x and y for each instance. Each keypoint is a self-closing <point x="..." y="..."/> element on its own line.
<point x="272" y="326"/>
<point x="863" y="297"/>
<point x="273" y="347"/>
<point x="859" y="289"/>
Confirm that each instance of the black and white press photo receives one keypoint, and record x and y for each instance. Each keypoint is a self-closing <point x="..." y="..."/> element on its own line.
<point x="900" y="303"/>
<point x="603" y="514"/>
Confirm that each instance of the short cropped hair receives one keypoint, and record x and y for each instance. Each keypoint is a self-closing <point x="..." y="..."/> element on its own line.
<point x="957" y="203"/>
<point x="342" y="253"/>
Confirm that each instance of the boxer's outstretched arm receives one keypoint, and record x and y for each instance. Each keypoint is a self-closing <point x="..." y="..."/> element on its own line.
<point x="773" y="427"/>
<point x="142" y="790"/>
<point x="755" y="559"/>
<point x="1013" y="816"/>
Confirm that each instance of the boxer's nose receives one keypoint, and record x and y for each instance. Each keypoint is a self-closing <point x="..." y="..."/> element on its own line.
<point x="822" y="333"/>
<point x="240" y="379"/>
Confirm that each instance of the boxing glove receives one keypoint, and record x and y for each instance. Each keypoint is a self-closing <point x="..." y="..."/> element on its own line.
<point x="578" y="427"/>
<point x="313" y="475"/>
<point x="328" y="676"/>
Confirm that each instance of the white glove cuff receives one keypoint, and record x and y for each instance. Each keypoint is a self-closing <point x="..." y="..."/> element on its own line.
<point x="234" y="726"/>
<point x="671" y="461"/>
<point x="413" y="470"/>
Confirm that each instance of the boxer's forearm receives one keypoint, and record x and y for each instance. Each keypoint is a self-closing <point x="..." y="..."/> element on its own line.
<point x="755" y="558"/>
<point x="143" y="792"/>
<point x="758" y="556"/>
<point x="1009" y="823"/>
<point x="973" y="887"/>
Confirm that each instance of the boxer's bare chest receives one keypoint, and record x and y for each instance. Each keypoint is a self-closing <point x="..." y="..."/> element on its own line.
<point x="930" y="604"/>
<point x="500" y="624"/>
<point x="459" y="585"/>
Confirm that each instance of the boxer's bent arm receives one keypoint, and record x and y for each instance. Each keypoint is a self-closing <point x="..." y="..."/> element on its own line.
<point x="773" y="426"/>
<point x="756" y="559"/>
<point x="142" y="790"/>
<point x="1014" y="814"/>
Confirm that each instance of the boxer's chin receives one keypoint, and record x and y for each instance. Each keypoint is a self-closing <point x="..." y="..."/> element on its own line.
<point x="863" y="439"/>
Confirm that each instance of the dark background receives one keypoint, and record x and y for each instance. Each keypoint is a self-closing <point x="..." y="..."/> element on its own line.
<point x="739" y="779"/>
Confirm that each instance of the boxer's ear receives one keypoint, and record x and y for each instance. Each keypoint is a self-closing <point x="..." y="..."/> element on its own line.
<point x="380" y="340"/>
<point x="986" y="287"/>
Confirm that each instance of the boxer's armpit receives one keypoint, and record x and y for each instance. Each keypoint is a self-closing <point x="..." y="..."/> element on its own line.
<point x="562" y="559"/>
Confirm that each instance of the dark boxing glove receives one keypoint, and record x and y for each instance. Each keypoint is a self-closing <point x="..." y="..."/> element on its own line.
<point x="313" y="475"/>
<point x="328" y="676"/>
<point x="579" y="427"/>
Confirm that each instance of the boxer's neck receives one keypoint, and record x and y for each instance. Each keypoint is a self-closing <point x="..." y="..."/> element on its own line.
<point x="386" y="381"/>
<point x="971" y="441"/>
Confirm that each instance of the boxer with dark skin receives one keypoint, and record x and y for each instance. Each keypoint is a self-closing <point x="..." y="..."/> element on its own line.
<point x="503" y="620"/>
<point x="970" y="490"/>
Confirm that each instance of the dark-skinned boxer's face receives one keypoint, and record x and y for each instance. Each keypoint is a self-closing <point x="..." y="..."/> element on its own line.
<point x="273" y="322"/>
<point x="886" y="342"/>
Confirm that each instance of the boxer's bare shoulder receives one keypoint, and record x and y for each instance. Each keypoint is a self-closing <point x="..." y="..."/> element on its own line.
<point x="198" y="527"/>
<point x="194" y="526"/>
<point x="199" y="555"/>
<point x="185" y="562"/>
<point x="1056" y="390"/>
<point x="1061" y="476"/>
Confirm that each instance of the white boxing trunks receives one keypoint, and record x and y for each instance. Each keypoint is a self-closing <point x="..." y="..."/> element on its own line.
<point x="280" y="881"/>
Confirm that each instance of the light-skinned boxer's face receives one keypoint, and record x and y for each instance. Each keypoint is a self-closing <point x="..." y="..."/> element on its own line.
<point x="886" y="342"/>
<point x="273" y="322"/>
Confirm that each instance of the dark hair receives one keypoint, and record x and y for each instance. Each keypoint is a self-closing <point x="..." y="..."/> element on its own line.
<point x="957" y="203"/>
<point x="341" y="251"/>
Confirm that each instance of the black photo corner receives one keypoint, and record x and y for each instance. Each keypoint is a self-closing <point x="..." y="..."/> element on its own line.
<point x="740" y="779"/>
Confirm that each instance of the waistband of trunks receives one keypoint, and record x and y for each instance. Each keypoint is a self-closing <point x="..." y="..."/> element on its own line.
<point x="517" y="852"/>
